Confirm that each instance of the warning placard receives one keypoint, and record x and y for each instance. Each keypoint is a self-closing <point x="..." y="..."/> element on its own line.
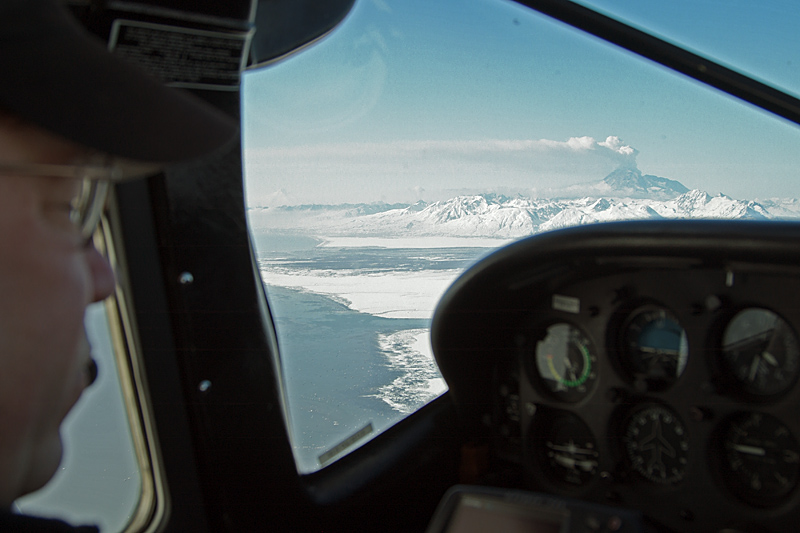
<point x="183" y="57"/>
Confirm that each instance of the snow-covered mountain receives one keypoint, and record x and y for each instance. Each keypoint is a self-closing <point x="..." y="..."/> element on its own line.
<point x="631" y="183"/>
<point x="623" y="195"/>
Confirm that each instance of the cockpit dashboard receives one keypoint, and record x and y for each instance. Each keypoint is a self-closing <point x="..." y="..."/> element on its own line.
<point x="646" y="365"/>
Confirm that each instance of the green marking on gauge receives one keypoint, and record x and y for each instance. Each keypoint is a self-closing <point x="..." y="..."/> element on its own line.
<point x="587" y="368"/>
<point x="564" y="361"/>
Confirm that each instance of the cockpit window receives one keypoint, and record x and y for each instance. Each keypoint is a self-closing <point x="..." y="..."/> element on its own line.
<point x="100" y="479"/>
<point x="420" y="136"/>
<point x="755" y="38"/>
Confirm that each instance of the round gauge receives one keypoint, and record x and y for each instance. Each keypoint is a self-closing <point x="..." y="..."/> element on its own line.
<point x="760" y="458"/>
<point x="656" y="444"/>
<point x="761" y="352"/>
<point x="565" y="360"/>
<point x="655" y="347"/>
<point x="566" y="449"/>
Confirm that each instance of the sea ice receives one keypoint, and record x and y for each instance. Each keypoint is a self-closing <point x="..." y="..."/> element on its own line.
<point x="386" y="294"/>
<point x="409" y="351"/>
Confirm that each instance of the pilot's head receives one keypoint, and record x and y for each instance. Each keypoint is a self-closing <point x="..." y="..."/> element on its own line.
<point x="72" y="116"/>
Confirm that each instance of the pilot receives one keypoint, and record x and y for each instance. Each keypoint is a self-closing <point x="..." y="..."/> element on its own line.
<point x="72" y="118"/>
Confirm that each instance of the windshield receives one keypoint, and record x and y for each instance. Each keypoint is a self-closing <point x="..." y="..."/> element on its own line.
<point x="420" y="136"/>
<point x="759" y="39"/>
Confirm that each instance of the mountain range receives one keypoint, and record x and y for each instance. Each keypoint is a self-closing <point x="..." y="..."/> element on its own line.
<point x="626" y="193"/>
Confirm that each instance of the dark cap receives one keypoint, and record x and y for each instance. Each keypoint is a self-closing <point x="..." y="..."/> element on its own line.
<point x="59" y="77"/>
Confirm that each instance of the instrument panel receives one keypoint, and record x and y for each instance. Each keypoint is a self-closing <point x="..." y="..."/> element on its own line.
<point x="649" y="366"/>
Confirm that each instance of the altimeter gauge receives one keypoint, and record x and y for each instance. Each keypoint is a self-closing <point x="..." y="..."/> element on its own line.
<point x="760" y="458"/>
<point x="565" y="448"/>
<point x="565" y="362"/>
<point x="761" y="352"/>
<point x="656" y="444"/>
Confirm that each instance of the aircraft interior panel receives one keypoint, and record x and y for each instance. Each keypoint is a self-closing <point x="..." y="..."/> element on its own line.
<point x="647" y="366"/>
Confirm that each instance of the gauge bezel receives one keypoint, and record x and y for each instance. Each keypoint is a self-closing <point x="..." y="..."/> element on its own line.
<point x="628" y="419"/>
<point x="541" y="384"/>
<point x="720" y="459"/>
<point x="625" y="358"/>
<point x="544" y="424"/>
<point x="727" y="372"/>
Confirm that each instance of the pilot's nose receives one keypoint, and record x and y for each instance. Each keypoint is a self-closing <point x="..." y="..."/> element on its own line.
<point x="102" y="275"/>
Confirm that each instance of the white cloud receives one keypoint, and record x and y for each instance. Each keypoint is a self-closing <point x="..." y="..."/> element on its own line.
<point x="626" y="155"/>
<point x="410" y="170"/>
<point x="582" y="143"/>
<point x="423" y="148"/>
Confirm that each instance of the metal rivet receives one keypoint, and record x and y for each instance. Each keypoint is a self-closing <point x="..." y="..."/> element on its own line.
<point x="185" y="278"/>
<point x="204" y="385"/>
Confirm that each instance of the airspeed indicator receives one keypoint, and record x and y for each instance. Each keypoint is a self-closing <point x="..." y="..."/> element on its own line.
<point x="565" y="362"/>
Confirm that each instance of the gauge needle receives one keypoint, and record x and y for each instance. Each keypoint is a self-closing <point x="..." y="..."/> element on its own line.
<point x="750" y="450"/>
<point x="570" y="368"/>
<point x="754" y="368"/>
<point x="571" y="448"/>
<point x="769" y="358"/>
<point x="586" y="465"/>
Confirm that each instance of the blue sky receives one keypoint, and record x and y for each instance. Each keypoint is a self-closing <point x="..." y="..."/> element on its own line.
<point x="414" y="99"/>
<point x="760" y="38"/>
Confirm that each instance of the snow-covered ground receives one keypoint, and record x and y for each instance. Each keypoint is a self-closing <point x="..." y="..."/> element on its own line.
<point x="414" y="242"/>
<point x="387" y="294"/>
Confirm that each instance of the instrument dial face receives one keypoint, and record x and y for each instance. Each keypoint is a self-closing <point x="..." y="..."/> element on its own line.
<point x="761" y="458"/>
<point x="761" y="352"/>
<point x="656" y="444"/>
<point x="656" y="347"/>
<point x="565" y="362"/>
<point x="566" y="449"/>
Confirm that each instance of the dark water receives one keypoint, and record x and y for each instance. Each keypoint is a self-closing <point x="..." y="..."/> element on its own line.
<point x="372" y="260"/>
<point x="333" y="365"/>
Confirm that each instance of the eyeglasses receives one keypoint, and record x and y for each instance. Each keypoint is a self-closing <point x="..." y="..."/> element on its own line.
<point x="86" y="207"/>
